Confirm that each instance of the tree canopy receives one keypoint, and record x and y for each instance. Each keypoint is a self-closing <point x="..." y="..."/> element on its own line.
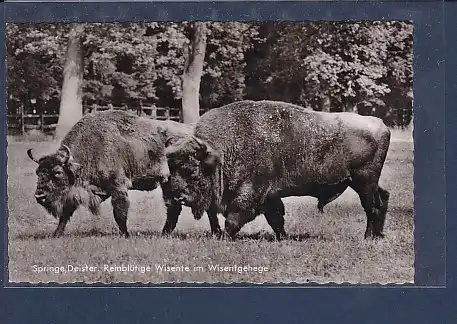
<point x="336" y="66"/>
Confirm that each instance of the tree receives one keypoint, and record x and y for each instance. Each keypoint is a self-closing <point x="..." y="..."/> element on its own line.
<point x="71" y="95"/>
<point x="193" y="70"/>
<point x="336" y="66"/>
<point x="357" y="66"/>
<point x="224" y="72"/>
<point x="34" y="63"/>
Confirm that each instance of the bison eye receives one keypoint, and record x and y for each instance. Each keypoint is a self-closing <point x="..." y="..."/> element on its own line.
<point x="58" y="173"/>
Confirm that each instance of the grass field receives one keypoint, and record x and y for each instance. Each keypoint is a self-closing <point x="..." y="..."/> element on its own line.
<point x="327" y="247"/>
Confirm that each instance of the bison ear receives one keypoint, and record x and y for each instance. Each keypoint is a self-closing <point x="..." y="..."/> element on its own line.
<point x="212" y="158"/>
<point x="207" y="155"/>
<point x="65" y="150"/>
<point x="74" y="167"/>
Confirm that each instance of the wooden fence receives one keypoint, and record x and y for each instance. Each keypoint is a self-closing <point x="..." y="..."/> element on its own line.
<point x="21" y="122"/>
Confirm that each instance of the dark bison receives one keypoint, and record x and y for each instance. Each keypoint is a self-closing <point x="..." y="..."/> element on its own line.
<point x="245" y="156"/>
<point x="172" y="199"/>
<point x="104" y="155"/>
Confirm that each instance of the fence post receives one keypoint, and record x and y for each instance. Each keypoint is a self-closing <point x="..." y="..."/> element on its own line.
<point x="22" y="118"/>
<point x="153" y="112"/>
<point x="167" y="113"/>
<point x="140" y="108"/>
<point x="42" y="120"/>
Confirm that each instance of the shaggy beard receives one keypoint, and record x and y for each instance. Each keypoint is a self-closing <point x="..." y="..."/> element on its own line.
<point x="71" y="199"/>
<point x="201" y="202"/>
<point x="55" y="208"/>
<point x="210" y="193"/>
<point x="199" y="207"/>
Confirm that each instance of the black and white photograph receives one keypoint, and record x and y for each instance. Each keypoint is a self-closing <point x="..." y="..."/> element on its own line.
<point x="210" y="152"/>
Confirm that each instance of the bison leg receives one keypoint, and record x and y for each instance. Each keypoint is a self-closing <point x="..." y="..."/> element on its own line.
<point x="173" y="210"/>
<point x="120" y="202"/>
<point x="61" y="227"/>
<point x="214" y="222"/>
<point x="381" y="204"/>
<point x="63" y="220"/>
<point x="374" y="201"/>
<point x="274" y="213"/>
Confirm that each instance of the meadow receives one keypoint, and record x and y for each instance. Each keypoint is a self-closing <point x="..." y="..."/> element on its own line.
<point x="326" y="247"/>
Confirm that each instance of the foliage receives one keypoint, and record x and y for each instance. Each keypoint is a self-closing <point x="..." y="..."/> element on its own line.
<point x="337" y="66"/>
<point x="224" y="79"/>
<point x="35" y="55"/>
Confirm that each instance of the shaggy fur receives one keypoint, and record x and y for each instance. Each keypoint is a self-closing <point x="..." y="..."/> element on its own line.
<point x="267" y="150"/>
<point x="108" y="154"/>
<point x="173" y="132"/>
<point x="204" y="179"/>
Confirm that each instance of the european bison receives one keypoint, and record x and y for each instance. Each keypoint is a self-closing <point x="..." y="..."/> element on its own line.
<point x="245" y="156"/>
<point x="173" y="201"/>
<point x="105" y="154"/>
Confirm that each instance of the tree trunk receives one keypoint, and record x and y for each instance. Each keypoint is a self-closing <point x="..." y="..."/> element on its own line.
<point x="325" y="103"/>
<point x="193" y="70"/>
<point x="71" y="97"/>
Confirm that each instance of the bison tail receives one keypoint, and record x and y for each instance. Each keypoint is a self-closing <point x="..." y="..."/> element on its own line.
<point x="384" y="194"/>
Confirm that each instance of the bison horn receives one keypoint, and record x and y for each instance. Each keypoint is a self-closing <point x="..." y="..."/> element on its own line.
<point x="170" y="141"/>
<point x="205" y="146"/>
<point x="30" y="154"/>
<point x="199" y="141"/>
<point x="68" y="155"/>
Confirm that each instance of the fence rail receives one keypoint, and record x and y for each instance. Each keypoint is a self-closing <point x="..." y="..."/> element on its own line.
<point x="22" y="122"/>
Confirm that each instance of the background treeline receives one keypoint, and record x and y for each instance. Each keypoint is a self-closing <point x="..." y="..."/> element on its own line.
<point x="333" y="66"/>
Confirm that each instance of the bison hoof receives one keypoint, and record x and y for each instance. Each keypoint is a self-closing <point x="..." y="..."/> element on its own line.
<point x="374" y="236"/>
<point x="220" y="235"/>
<point x="166" y="233"/>
<point x="281" y="236"/>
<point x="57" y="234"/>
<point x="228" y="235"/>
<point x="217" y="232"/>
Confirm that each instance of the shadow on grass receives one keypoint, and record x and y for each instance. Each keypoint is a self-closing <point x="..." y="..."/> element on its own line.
<point x="49" y="235"/>
<point x="98" y="233"/>
<point x="264" y="236"/>
<point x="259" y="236"/>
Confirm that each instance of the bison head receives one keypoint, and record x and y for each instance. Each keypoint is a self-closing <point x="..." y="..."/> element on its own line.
<point x="57" y="173"/>
<point x="195" y="173"/>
